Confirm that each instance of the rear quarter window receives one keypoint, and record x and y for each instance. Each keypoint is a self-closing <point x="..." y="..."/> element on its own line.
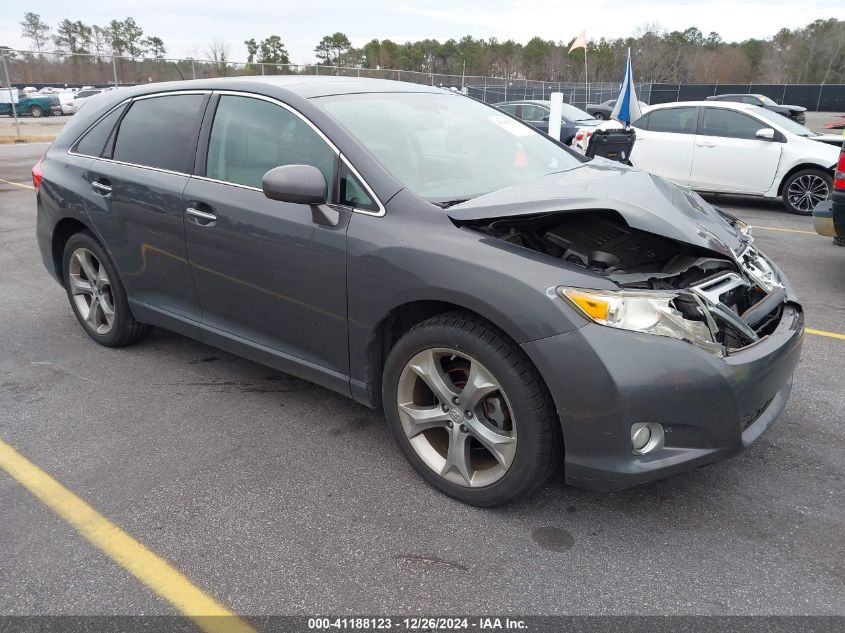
<point x="160" y="132"/>
<point x="94" y="140"/>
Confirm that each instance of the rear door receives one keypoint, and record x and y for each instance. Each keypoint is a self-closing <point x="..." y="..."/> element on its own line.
<point x="665" y="143"/>
<point x="268" y="277"/>
<point x="728" y="155"/>
<point x="136" y="202"/>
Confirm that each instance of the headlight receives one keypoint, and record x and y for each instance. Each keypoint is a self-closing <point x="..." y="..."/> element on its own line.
<point x="646" y="311"/>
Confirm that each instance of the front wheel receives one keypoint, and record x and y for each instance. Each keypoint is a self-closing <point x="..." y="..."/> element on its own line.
<point x="805" y="189"/>
<point x="469" y="411"/>
<point x="601" y="116"/>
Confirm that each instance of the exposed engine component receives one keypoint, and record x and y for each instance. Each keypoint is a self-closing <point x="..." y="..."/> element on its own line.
<point x="743" y="295"/>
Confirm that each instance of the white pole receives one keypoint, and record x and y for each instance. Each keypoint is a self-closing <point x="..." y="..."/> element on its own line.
<point x="555" y="115"/>
<point x="11" y="97"/>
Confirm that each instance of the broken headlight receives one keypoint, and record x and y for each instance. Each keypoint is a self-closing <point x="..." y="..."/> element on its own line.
<point x="664" y="313"/>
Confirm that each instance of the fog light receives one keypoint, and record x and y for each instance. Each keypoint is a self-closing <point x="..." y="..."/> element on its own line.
<point x="646" y="437"/>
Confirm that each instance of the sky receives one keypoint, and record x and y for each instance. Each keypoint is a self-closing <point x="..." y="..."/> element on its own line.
<point x="187" y="26"/>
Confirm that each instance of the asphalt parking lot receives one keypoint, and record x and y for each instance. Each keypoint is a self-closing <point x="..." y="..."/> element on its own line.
<point x="276" y="496"/>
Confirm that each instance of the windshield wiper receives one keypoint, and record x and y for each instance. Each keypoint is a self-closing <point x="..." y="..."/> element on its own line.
<point x="445" y="204"/>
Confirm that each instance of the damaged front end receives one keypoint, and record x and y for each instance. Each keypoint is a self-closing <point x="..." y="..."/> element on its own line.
<point x="719" y="302"/>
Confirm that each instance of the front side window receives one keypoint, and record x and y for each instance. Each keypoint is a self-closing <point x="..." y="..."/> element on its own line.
<point x="729" y="124"/>
<point x="160" y="132"/>
<point x="676" y="120"/>
<point x="250" y="137"/>
<point x="352" y="192"/>
<point x="509" y="108"/>
<point x="445" y="147"/>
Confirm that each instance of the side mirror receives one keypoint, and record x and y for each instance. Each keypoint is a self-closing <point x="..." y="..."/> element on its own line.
<point x="766" y="133"/>
<point x="301" y="184"/>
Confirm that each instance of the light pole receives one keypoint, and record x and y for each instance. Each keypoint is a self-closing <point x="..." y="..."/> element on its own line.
<point x="12" y="98"/>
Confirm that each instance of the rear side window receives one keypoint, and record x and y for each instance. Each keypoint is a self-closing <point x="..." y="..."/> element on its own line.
<point x="510" y="108"/>
<point x="534" y="113"/>
<point x="676" y="120"/>
<point x="252" y="136"/>
<point x="730" y="124"/>
<point x="94" y="141"/>
<point x="160" y="132"/>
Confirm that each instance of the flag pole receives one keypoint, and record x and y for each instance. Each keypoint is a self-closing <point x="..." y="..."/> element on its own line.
<point x="586" y="83"/>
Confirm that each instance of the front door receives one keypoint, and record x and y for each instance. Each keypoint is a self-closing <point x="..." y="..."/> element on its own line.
<point x="267" y="276"/>
<point x="728" y="155"/>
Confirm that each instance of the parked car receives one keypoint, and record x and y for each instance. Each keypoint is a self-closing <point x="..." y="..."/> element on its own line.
<point x="498" y="295"/>
<point x="84" y="95"/>
<point x="32" y="104"/>
<point x="728" y="147"/>
<point x="603" y="110"/>
<point x="796" y="113"/>
<point x="536" y="113"/>
<point x="67" y="102"/>
<point x="829" y="217"/>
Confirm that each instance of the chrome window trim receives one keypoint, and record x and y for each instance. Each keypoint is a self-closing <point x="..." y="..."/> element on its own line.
<point x="381" y="210"/>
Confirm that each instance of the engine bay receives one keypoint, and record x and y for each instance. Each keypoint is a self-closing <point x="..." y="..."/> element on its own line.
<point x="743" y="297"/>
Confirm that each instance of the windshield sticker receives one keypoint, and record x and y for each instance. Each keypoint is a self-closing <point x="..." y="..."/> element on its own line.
<point x="514" y="127"/>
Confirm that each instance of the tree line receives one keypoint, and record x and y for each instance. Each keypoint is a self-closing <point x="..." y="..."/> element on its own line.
<point x="117" y="37"/>
<point x="814" y="53"/>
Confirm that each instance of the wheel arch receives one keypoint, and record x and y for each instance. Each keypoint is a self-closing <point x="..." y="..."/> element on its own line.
<point x="801" y="167"/>
<point x="62" y="232"/>
<point x="396" y="323"/>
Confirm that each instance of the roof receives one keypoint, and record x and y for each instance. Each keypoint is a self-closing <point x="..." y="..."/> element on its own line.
<point x="305" y="86"/>
<point x="733" y="105"/>
<point x="537" y="101"/>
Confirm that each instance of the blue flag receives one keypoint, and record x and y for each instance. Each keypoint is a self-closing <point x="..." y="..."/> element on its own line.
<point x="627" y="108"/>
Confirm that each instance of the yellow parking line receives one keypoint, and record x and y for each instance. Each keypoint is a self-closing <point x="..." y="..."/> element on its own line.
<point x="823" y="333"/>
<point x="17" y="184"/>
<point x="142" y="563"/>
<point x="773" y="228"/>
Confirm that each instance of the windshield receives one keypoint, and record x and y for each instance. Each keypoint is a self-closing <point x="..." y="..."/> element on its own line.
<point x="446" y="148"/>
<point x="87" y="93"/>
<point x="571" y="113"/>
<point x="766" y="101"/>
<point x="785" y="122"/>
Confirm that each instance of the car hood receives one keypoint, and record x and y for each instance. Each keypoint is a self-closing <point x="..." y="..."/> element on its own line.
<point x="646" y="202"/>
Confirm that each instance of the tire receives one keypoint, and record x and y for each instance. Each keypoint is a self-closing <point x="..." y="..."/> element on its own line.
<point x="516" y="416"/>
<point x="601" y="116"/>
<point x="806" y="188"/>
<point x="36" y="111"/>
<point x="84" y="258"/>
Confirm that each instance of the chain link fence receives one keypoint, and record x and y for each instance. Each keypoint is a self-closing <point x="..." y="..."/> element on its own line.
<point x="28" y="68"/>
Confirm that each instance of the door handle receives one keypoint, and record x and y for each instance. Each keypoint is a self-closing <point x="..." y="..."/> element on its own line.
<point x="101" y="188"/>
<point x="705" y="144"/>
<point x="203" y="218"/>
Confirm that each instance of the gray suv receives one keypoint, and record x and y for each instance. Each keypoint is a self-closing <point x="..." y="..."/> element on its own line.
<point x="510" y="305"/>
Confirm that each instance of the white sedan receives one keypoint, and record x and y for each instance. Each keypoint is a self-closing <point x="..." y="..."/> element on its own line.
<point x="735" y="148"/>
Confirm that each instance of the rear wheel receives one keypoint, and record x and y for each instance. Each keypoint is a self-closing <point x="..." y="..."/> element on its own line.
<point x="805" y="189"/>
<point x="601" y="116"/>
<point x="96" y="293"/>
<point x="36" y="111"/>
<point x="469" y="411"/>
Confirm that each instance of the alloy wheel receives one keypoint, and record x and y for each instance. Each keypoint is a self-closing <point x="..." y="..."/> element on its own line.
<point x="806" y="191"/>
<point x="457" y="417"/>
<point x="91" y="291"/>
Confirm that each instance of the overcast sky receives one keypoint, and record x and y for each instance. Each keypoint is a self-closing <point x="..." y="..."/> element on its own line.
<point x="186" y="26"/>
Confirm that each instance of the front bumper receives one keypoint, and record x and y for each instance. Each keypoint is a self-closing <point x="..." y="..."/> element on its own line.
<point x="605" y="380"/>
